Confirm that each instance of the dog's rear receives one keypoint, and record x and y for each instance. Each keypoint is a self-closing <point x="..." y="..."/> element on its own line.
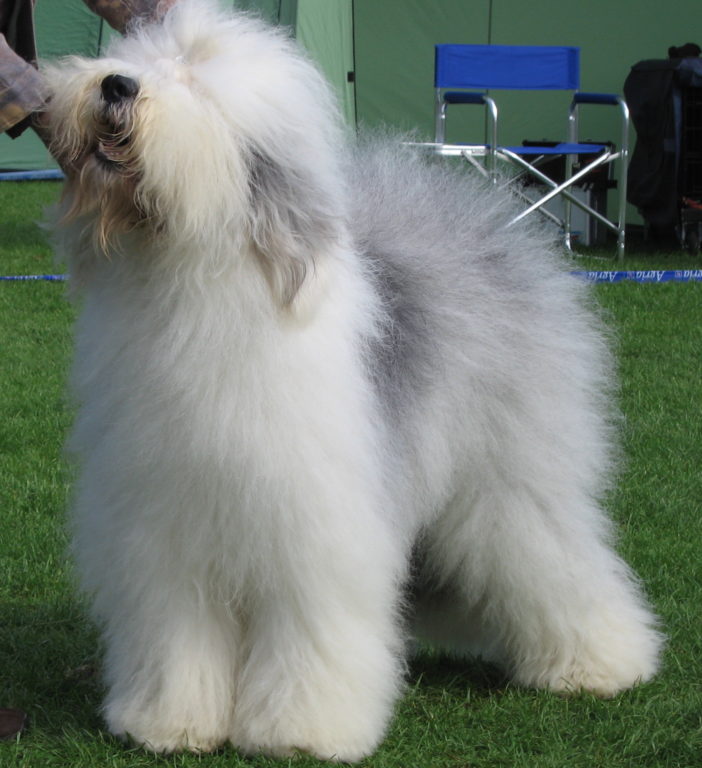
<point x="498" y="384"/>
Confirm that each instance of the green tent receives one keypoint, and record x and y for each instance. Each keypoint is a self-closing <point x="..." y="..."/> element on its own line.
<point x="378" y="54"/>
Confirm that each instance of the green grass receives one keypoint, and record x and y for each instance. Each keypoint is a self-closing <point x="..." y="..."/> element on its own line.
<point x="453" y="714"/>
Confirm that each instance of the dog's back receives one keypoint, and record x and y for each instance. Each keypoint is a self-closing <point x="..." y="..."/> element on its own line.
<point x="479" y="318"/>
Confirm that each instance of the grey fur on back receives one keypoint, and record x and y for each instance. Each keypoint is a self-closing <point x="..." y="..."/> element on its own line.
<point x="475" y="312"/>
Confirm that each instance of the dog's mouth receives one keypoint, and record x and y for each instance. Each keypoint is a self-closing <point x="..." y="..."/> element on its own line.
<point x="113" y="151"/>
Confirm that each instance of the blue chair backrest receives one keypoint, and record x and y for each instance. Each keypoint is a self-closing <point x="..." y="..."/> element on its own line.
<point x="508" y="67"/>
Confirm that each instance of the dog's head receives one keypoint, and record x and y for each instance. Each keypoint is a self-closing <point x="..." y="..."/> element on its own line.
<point x="205" y="128"/>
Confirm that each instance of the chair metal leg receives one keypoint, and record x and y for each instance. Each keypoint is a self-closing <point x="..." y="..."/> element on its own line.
<point x="569" y="159"/>
<point x="558" y="189"/>
<point x="623" y="179"/>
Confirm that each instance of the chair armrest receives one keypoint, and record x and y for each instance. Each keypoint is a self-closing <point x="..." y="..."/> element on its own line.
<point x="445" y="98"/>
<point x="611" y="99"/>
<point x="463" y="97"/>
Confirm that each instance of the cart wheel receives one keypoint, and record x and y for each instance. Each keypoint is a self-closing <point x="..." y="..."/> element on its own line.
<point x="692" y="241"/>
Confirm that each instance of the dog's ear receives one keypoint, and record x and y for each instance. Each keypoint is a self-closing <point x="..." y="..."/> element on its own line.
<point x="293" y="222"/>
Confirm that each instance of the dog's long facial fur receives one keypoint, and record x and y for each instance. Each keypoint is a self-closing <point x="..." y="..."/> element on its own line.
<point x="102" y="166"/>
<point x="184" y="152"/>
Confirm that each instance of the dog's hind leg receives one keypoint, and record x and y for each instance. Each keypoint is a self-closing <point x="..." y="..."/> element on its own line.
<point x="529" y="564"/>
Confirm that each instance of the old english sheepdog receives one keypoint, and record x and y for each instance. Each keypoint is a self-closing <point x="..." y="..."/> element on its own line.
<point x="326" y="402"/>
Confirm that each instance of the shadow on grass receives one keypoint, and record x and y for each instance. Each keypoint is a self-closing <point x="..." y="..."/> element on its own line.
<point x="50" y="669"/>
<point x="457" y="676"/>
<point x="48" y="666"/>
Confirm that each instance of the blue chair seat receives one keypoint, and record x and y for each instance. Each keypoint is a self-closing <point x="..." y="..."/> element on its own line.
<point x="562" y="148"/>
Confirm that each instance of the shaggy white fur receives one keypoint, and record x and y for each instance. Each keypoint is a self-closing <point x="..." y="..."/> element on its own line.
<point x="300" y="368"/>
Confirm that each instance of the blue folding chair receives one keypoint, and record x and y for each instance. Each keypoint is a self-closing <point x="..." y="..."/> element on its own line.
<point x="463" y="74"/>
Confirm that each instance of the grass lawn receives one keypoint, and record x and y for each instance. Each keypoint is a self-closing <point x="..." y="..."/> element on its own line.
<point x="453" y="714"/>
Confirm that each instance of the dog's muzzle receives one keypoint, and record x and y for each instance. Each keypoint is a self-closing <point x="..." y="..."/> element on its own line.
<point x="114" y="121"/>
<point x="118" y="88"/>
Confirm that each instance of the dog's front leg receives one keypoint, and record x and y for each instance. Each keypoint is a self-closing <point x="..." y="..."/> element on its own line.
<point x="324" y="654"/>
<point x="170" y="664"/>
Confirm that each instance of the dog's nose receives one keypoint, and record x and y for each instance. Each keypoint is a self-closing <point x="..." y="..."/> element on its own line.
<point x="116" y="88"/>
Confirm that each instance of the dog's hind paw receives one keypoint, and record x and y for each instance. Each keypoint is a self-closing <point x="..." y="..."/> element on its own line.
<point x="603" y="665"/>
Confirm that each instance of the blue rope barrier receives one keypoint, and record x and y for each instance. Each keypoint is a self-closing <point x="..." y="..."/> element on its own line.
<point x="48" y="174"/>
<point x="640" y="276"/>
<point x="644" y="276"/>
<point x="34" y="277"/>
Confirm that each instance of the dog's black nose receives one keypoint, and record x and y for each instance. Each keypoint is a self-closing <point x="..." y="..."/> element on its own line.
<point x="116" y="88"/>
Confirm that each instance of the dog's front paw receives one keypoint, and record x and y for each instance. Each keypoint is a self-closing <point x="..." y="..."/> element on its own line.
<point x="285" y="739"/>
<point x="159" y="734"/>
<point x="337" y="711"/>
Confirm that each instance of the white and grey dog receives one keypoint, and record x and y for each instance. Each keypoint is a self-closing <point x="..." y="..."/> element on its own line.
<point x="325" y="401"/>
